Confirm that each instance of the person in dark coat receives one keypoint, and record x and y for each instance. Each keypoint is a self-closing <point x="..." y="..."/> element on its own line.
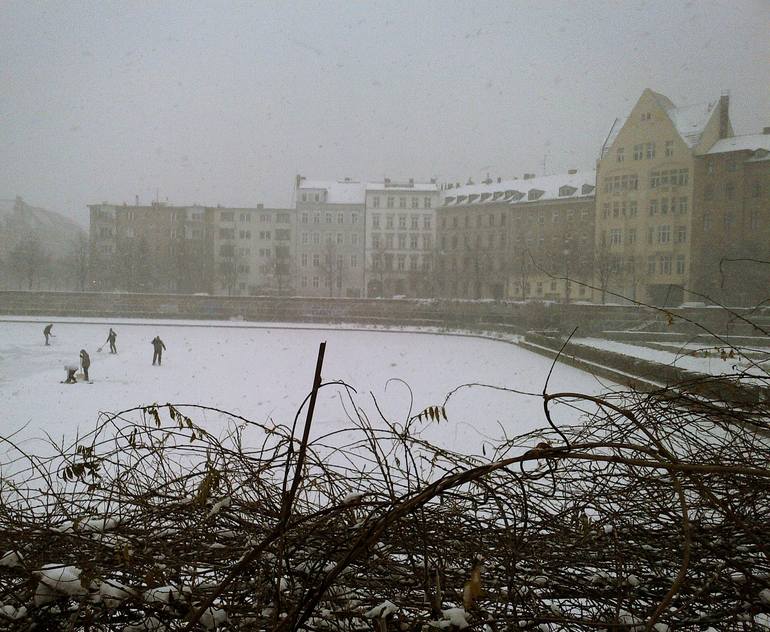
<point x="158" y="349"/>
<point x="111" y="337"/>
<point x="85" y="362"/>
<point x="47" y="333"/>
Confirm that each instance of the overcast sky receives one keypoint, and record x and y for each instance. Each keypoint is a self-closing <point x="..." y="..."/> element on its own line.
<point x="224" y="102"/>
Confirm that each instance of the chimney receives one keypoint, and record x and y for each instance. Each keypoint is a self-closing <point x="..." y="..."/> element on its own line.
<point x="724" y="114"/>
<point x="387" y="181"/>
<point x="450" y="186"/>
<point x="433" y="180"/>
<point x="260" y="205"/>
<point x="411" y="182"/>
<point x="572" y="172"/>
<point x="136" y="200"/>
<point x="529" y="176"/>
<point x="499" y="179"/>
<point x="766" y="130"/>
<point x="487" y="180"/>
<point x="457" y="185"/>
<point x="298" y="181"/>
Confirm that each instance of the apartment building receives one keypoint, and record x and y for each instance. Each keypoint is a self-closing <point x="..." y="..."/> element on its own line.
<point x="400" y="237"/>
<point x="731" y="222"/>
<point x="529" y="238"/>
<point x="165" y="248"/>
<point x="644" y="199"/>
<point x="252" y="250"/>
<point x="329" y="243"/>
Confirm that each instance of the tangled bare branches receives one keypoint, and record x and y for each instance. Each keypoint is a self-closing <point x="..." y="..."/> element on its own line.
<point x="651" y="513"/>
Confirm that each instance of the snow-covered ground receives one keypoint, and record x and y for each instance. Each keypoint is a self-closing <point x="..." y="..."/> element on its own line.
<point x="263" y="372"/>
<point x="688" y="356"/>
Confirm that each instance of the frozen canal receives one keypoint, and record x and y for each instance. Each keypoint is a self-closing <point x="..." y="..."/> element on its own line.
<point x="263" y="372"/>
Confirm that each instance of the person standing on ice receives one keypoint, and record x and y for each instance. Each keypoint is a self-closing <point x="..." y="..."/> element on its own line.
<point x="47" y="333"/>
<point x="111" y="337"/>
<point x="85" y="362"/>
<point x="158" y="349"/>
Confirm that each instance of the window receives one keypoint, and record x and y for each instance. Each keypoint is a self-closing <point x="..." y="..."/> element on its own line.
<point x="340" y="217"/>
<point x="729" y="220"/>
<point x="413" y="241"/>
<point x="682" y="205"/>
<point x="389" y="240"/>
<point x="376" y="201"/>
<point x="340" y="239"/>
<point x="654" y="179"/>
<point x="426" y="222"/>
<point x="329" y="217"/>
<point x="402" y="202"/>
<point x="650" y="151"/>
<point x="227" y="216"/>
<point x="391" y="202"/>
<point x="315" y="281"/>
<point x="621" y="154"/>
<point x="264" y="218"/>
<point x="401" y="241"/>
<point x="427" y="242"/>
<point x="616" y="209"/>
<point x="665" y="264"/>
<point x="316" y="238"/>
<point x="681" y="234"/>
<point x="664" y="206"/>
<point x="710" y="167"/>
<point x="375" y="240"/>
<point x="283" y="218"/>
<point x="756" y="189"/>
<point x="706" y="221"/>
<point x="227" y="233"/>
<point x="317" y="217"/>
<point x="264" y="234"/>
<point x="653" y="207"/>
<point x="426" y="202"/>
<point x="304" y="260"/>
<point x="353" y="239"/>
<point x="402" y="222"/>
<point x="651" y="264"/>
<point x="732" y="165"/>
<point x="415" y="222"/>
<point x="389" y="222"/>
<point x="664" y="233"/>
<point x="354" y="218"/>
<point x="683" y="177"/>
<point x="631" y="236"/>
<point x="708" y="192"/>
<point x="376" y="220"/>
<point x="615" y="237"/>
<point x="680" y="264"/>
<point x="415" y="202"/>
<point x="669" y="148"/>
<point x="754" y="219"/>
<point x="316" y="260"/>
<point x="729" y="190"/>
<point x="305" y="218"/>
<point x="632" y="208"/>
<point x="304" y="197"/>
<point x="353" y="261"/>
<point x="638" y="152"/>
<point x="244" y="234"/>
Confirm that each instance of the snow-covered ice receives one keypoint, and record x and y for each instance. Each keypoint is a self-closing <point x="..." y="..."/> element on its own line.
<point x="263" y="372"/>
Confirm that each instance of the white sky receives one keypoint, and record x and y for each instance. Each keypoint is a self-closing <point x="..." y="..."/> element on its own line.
<point x="224" y="102"/>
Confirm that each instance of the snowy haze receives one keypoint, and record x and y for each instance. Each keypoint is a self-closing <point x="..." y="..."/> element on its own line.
<point x="224" y="102"/>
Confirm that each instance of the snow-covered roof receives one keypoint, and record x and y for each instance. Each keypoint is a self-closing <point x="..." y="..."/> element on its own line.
<point x="401" y="186"/>
<point x="689" y="121"/>
<point x="563" y="186"/>
<point x="338" y="191"/>
<point x="54" y="231"/>
<point x="749" y="142"/>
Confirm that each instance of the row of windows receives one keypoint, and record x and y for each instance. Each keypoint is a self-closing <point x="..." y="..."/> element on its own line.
<point x="662" y="235"/>
<point x="728" y="220"/>
<point x="390" y="202"/>
<point x="413" y="240"/>
<point x="672" y="177"/>
<point x="402" y="263"/>
<point x="645" y="150"/>
<point x="331" y="238"/>
<point x="661" y="264"/>
<point x="329" y="217"/>
<point x="404" y="221"/>
<point x="619" y="208"/>
<point x="264" y="218"/>
<point x="613" y="184"/>
<point x="664" y="205"/>
<point x="316" y="260"/>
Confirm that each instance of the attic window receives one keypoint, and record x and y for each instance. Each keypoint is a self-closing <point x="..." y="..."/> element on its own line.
<point x="485" y="196"/>
<point x="473" y="197"/>
<point x="535" y="194"/>
<point x="498" y="194"/>
<point x="449" y="199"/>
<point x="461" y="198"/>
<point x="566" y="190"/>
<point x="586" y="189"/>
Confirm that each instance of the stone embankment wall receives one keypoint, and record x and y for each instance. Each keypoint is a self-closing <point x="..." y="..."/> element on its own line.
<point x="509" y="316"/>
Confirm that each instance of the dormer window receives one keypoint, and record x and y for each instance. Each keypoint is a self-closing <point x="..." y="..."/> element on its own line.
<point x="535" y="194"/>
<point x="566" y="191"/>
<point x="587" y="188"/>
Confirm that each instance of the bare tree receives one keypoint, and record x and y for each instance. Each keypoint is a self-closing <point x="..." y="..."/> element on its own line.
<point x="28" y="262"/>
<point x="78" y="261"/>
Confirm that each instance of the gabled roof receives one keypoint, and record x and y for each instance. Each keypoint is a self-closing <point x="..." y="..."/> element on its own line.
<point x="689" y="121"/>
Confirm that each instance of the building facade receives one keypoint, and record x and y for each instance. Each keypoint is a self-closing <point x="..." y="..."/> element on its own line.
<point x="644" y="199"/>
<point x="400" y="237"/>
<point x="329" y="242"/>
<point x="521" y="239"/>
<point x="731" y="222"/>
<point x="189" y="249"/>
